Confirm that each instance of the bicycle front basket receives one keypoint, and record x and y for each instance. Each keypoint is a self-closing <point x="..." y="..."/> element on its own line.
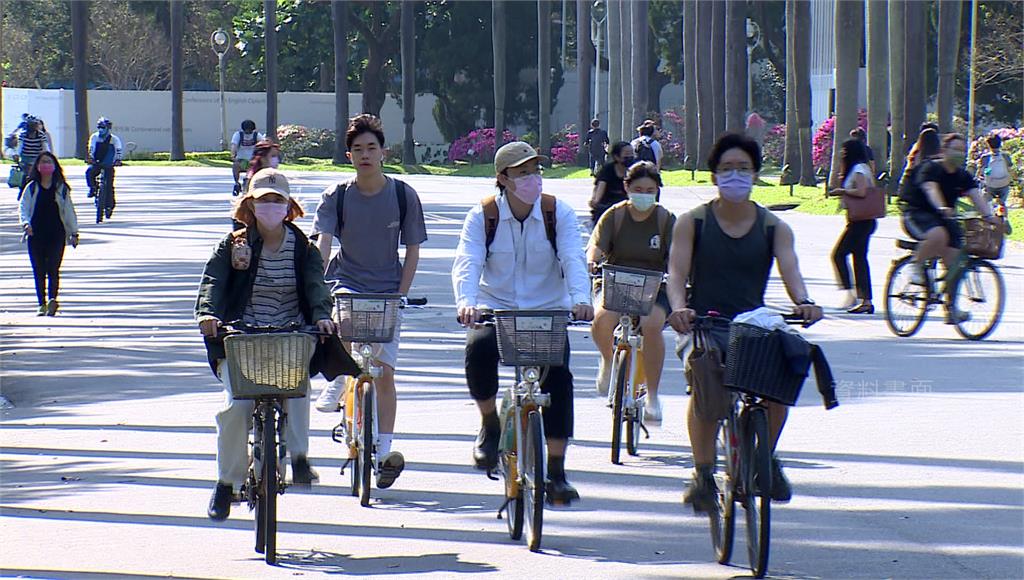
<point x="629" y="291"/>
<point x="757" y="364"/>
<point x="269" y="364"/>
<point x="369" y="318"/>
<point x="528" y="338"/>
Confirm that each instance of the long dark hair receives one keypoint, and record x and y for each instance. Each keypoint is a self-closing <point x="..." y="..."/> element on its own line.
<point x="58" y="173"/>
<point x="851" y="153"/>
<point x="928" y="145"/>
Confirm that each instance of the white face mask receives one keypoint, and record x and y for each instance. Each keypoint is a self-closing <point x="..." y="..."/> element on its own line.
<point x="642" y="201"/>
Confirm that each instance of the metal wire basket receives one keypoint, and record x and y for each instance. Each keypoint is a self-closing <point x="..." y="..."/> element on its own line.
<point x="629" y="291"/>
<point x="367" y="318"/>
<point x="269" y="364"/>
<point x="528" y="338"/>
<point x="756" y="363"/>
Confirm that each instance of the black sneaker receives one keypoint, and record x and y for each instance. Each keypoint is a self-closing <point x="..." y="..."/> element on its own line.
<point x="237" y="189"/>
<point x="389" y="470"/>
<point x="303" y="474"/>
<point x="92" y="193"/>
<point x="485" y="453"/>
<point x="560" y="492"/>
<point x="781" y="490"/>
<point x="220" y="503"/>
<point x="702" y="493"/>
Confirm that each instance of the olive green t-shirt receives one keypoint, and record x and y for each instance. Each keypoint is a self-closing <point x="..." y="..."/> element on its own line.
<point x="636" y="244"/>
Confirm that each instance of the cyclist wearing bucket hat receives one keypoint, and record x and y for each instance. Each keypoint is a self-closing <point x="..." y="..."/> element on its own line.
<point x="520" y="249"/>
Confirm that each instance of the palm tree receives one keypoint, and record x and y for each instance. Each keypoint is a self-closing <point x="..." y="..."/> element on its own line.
<point x="80" y="52"/>
<point x="270" y="64"/>
<point x="584" y="56"/>
<point x="339" y="15"/>
<point x="498" y="48"/>
<point x="791" y="158"/>
<point x="897" y="151"/>
<point x="916" y="50"/>
<point x="544" y="74"/>
<point x="718" y="63"/>
<point x="802" y="88"/>
<point x="877" y="77"/>
<point x="177" y="100"/>
<point x="949" y="48"/>
<point x="639" y="60"/>
<point x="849" y="18"/>
<point x="705" y="92"/>
<point x="615" y="132"/>
<point x="625" y="55"/>
<point x="735" y="64"/>
<point x="408" y="46"/>
<point x="690" y="82"/>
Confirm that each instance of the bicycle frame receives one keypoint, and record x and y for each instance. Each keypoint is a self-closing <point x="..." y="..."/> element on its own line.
<point x="263" y="406"/>
<point x="526" y="397"/>
<point x="353" y="421"/>
<point x="629" y="339"/>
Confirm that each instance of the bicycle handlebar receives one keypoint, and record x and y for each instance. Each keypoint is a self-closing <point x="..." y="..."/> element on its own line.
<point x="413" y="301"/>
<point x="239" y="327"/>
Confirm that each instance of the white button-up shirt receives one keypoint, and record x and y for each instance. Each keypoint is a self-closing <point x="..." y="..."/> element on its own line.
<point x="522" y="270"/>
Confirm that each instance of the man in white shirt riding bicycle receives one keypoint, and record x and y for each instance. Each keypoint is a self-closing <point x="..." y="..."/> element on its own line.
<point x="243" y="143"/>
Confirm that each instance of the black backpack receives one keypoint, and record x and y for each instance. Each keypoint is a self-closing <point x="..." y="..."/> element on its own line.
<point x="645" y="152"/>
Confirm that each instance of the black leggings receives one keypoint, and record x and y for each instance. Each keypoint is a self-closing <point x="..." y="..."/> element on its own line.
<point x="482" y="378"/>
<point x="46" y="256"/>
<point x="855" y="240"/>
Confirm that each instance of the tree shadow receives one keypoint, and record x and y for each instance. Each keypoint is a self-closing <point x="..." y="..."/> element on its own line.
<point x="321" y="562"/>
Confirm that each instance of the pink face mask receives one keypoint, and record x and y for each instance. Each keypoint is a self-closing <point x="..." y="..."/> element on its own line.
<point x="528" y="187"/>
<point x="270" y="215"/>
<point x="46" y="168"/>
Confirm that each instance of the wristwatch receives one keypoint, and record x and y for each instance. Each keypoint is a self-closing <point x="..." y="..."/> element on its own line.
<point x="807" y="302"/>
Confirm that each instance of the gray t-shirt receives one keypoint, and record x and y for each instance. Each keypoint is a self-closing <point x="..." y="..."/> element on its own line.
<point x="368" y="260"/>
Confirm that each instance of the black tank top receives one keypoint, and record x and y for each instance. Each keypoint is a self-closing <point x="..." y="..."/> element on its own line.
<point x="730" y="275"/>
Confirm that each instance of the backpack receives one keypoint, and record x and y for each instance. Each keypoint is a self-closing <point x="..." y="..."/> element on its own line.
<point x="644" y="151"/>
<point x="400" y="193"/>
<point x="996" y="172"/>
<point x="619" y="217"/>
<point x="547" y="208"/>
<point x="247" y="142"/>
<point x="699" y="214"/>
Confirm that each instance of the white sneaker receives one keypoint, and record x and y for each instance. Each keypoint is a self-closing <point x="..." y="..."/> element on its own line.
<point x="917" y="275"/>
<point x="604" y="376"/>
<point x="652" y="411"/>
<point x="327" y="402"/>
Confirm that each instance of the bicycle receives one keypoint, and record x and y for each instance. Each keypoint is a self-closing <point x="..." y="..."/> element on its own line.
<point x="364" y="320"/>
<point x="978" y="286"/>
<point x="267" y="365"/>
<point x="632" y="293"/>
<point x="530" y="341"/>
<point x="104" y="198"/>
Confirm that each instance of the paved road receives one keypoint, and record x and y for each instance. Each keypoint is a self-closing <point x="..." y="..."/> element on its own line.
<point x="108" y="458"/>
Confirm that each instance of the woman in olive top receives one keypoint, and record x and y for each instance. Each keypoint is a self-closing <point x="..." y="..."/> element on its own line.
<point x="634" y="233"/>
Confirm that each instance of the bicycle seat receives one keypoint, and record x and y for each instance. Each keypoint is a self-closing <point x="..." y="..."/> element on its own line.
<point x="907" y="244"/>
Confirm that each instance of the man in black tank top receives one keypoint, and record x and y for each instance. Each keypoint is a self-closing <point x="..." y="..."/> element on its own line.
<point x="725" y="250"/>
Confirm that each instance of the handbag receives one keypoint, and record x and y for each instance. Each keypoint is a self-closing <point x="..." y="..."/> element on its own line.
<point x="869" y="207"/>
<point x="705" y="373"/>
<point x="15" y="178"/>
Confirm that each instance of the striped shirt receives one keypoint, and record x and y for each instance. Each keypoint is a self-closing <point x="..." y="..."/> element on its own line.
<point x="31" y="146"/>
<point x="275" y="298"/>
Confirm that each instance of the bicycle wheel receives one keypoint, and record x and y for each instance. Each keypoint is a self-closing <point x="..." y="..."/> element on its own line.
<point x="254" y="483"/>
<point x="756" y="460"/>
<point x="269" y="487"/>
<point x="635" y="415"/>
<point x="533" y="483"/>
<point x="514" y="493"/>
<point x="980" y="294"/>
<point x="621" y="376"/>
<point x="366" y="450"/>
<point x="353" y="437"/>
<point x="906" y="303"/>
<point x="100" y="203"/>
<point x="723" y="520"/>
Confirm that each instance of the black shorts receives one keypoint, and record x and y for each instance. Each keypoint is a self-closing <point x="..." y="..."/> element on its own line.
<point x="917" y="223"/>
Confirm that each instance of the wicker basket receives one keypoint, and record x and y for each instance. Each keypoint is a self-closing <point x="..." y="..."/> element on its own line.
<point x="983" y="239"/>
<point x="756" y="364"/>
<point x="629" y="291"/>
<point x="367" y="318"/>
<point x="269" y="364"/>
<point x="528" y="338"/>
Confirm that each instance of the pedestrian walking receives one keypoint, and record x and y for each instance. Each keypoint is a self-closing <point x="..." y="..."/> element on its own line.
<point x="856" y="179"/>
<point x="49" y="223"/>
<point x="609" y="184"/>
<point x="597" y="145"/>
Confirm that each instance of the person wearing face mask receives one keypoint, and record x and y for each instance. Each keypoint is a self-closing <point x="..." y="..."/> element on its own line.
<point x="634" y="233"/>
<point x="49" y="222"/>
<point x="725" y="250"/>
<point x="929" y="210"/>
<point x="264" y="274"/>
<point x="530" y="257"/>
<point x="609" y="184"/>
<point x="103" y="154"/>
<point x="265" y="154"/>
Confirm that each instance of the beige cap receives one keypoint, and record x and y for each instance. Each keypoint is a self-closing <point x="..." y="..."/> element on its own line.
<point x="269" y="180"/>
<point x="515" y="154"/>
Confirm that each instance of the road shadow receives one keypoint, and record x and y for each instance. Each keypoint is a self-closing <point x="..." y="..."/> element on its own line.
<point x="321" y="562"/>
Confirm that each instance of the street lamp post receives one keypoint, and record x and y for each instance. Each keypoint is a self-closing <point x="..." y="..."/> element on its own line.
<point x="219" y="41"/>
<point x="753" y="39"/>
<point x="597" y="15"/>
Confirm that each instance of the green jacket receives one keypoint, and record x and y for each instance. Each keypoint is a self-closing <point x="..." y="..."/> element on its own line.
<point x="224" y="292"/>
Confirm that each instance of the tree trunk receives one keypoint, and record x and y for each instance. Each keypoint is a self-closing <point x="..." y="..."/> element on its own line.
<point x="544" y="74"/>
<point x="735" y="65"/>
<point x="690" y="83"/>
<point x="339" y="15"/>
<point x="270" y="58"/>
<point x="791" y="158"/>
<point x="584" y="60"/>
<point x="897" y="44"/>
<point x="705" y="92"/>
<point x="802" y="78"/>
<point x="498" y="37"/>
<point x="626" y="56"/>
<point x="878" y="79"/>
<point x="914" y="92"/>
<point x="638" y="10"/>
<point x="177" y="97"/>
<point x="80" y="54"/>
<point x="718" y="64"/>
<point x="615" y="132"/>
<point x="408" y="47"/>
<point x="949" y="48"/>
<point x="849" y="18"/>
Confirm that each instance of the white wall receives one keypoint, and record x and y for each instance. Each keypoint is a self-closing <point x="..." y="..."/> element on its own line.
<point x="144" y="117"/>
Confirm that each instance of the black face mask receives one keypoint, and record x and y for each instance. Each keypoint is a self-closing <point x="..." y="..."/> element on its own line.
<point x="627" y="161"/>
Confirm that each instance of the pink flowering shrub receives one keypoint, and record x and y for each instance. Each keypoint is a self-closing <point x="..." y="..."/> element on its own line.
<point x="299" y="141"/>
<point x="821" y="152"/>
<point x="477" y="146"/>
<point x="565" y="144"/>
<point x="774" y="147"/>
